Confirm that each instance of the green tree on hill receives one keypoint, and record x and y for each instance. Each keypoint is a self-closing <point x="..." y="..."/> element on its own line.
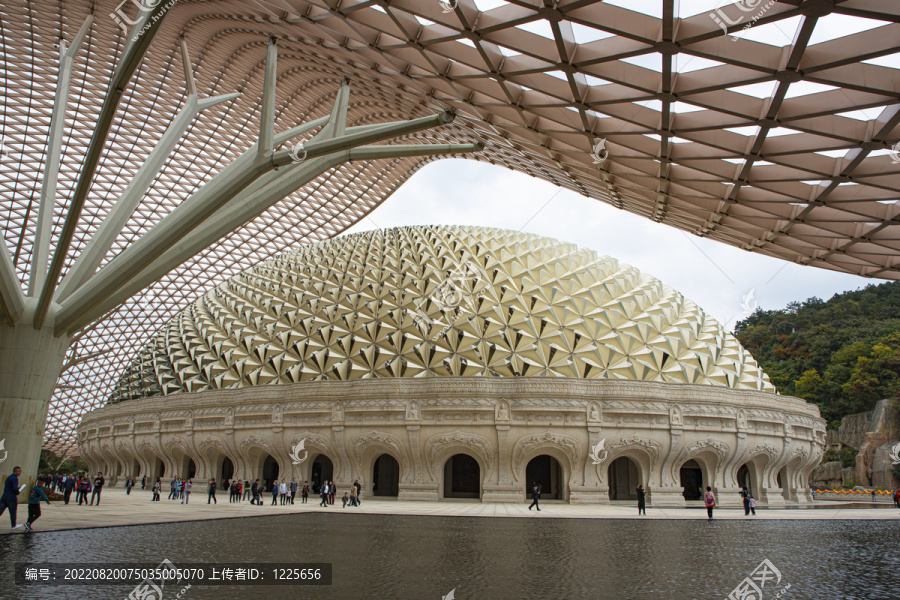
<point x="843" y="354"/>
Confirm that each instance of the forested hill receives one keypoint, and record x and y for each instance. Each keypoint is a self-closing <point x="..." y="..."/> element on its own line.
<point x="843" y="354"/>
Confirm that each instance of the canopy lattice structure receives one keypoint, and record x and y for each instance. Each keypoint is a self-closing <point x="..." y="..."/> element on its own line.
<point x="782" y="146"/>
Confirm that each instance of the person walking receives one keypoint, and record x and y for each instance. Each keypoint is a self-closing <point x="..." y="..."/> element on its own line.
<point x="304" y="493"/>
<point x="642" y="500"/>
<point x="143" y="482"/>
<point x="358" y="492"/>
<point x="172" y="488"/>
<point x="84" y="487"/>
<point x="34" y="504"/>
<point x="247" y="491"/>
<point x="99" y="482"/>
<point x="709" y="499"/>
<point x="352" y="495"/>
<point x="332" y="490"/>
<point x="8" y="500"/>
<point x="211" y="492"/>
<point x="745" y="496"/>
<point x="324" y="493"/>
<point x="283" y="490"/>
<point x="535" y="494"/>
<point x="157" y="490"/>
<point x="753" y="505"/>
<point x="68" y="488"/>
<point x="345" y="499"/>
<point x="186" y="491"/>
<point x="254" y="489"/>
<point x="293" y="489"/>
<point x="238" y="491"/>
<point x="274" y="493"/>
<point x="129" y="483"/>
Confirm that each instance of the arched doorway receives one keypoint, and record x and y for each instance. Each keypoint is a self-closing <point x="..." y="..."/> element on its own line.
<point x="191" y="468"/>
<point x="624" y="477"/>
<point x="160" y="467"/>
<point x="744" y="479"/>
<point x="135" y="469"/>
<point x="227" y="470"/>
<point x="462" y="477"/>
<point x="269" y="472"/>
<point x="322" y="470"/>
<point x="386" y="476"/>
<point x="547" y="472"/>
<point x="691" y="476"/>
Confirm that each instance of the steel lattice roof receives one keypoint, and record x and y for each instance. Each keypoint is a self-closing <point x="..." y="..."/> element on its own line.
<point x="782" y="147"/>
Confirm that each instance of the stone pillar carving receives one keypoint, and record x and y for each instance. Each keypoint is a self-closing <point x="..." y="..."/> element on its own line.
<point x="591" y="490"/>
<point x="670" y="491"/>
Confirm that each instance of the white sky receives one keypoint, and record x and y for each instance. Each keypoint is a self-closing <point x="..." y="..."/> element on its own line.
<point x="715" y="276"/>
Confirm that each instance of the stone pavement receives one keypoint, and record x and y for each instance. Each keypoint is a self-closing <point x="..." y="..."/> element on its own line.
<point x="118" y="509"/>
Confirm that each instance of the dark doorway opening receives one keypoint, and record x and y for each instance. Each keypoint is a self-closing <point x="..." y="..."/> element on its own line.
<point x="227" y="470"/>
<point x="462" y="477"/>
<point x="191" y="469"/>
<point x="692" y="480"/>
<point x="322" y="470"/>
<point x="547" y="472"/>
<point x="743" y="479"/>
<point x="623" y="479"/>
<point x="270" y="472"/>
<point x="386" y="476"/>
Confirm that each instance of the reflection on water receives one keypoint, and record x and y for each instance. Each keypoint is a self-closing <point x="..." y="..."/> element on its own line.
<point x="388" y="557"/>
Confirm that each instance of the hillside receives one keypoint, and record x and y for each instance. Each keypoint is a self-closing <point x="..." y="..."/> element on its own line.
<point x="843" y="354"/>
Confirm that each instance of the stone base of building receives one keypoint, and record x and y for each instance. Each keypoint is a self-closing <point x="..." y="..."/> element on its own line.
<point x="502" y="493"/>
<point x="729" y="496"/>
<point x="667" y="496"/>
<point x="426" y="492"/>
<point x="774" y="496"/>
<point x="589" y="494"/>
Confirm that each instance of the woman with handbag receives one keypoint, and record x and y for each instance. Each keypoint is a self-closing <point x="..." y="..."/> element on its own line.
<point x="710" y="500"/>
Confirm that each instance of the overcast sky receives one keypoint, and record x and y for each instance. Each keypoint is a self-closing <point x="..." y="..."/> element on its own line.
<point x="715" y="276"/>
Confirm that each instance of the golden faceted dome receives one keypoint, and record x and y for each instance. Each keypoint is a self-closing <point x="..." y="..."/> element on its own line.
<point x="438" y="301"/>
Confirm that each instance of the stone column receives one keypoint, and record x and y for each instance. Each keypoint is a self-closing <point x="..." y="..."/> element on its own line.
<point x="592" y="490"/>
<point x="30" y="362"/>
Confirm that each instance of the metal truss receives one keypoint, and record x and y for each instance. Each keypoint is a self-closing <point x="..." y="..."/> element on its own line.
<point x="703" y="132"/>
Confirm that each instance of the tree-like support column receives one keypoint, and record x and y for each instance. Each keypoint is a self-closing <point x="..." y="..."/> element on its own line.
<point x="37" y="328"/>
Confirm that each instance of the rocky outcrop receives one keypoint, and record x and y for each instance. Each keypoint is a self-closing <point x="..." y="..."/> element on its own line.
<point x="873" y="462"/>
<point x="827" y="475"/>
<point x="854" y="429"/>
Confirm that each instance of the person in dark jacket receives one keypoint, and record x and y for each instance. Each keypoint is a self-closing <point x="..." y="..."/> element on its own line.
<point x="535" y="495"/>
<point x="642" y="500"/>
<point x="98" y="487"/>
<point x="212" y="492"/>
<point x="128" y="485"/>
<point x="68" y="488"/>
<point x="8" y="500"/>
<point x="143" y="482"/>
<point x="745" y="496"/>
<point x="34" y="504"/>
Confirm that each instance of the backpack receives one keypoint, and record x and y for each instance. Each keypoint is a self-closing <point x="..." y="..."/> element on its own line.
<point x="709" y="498"/>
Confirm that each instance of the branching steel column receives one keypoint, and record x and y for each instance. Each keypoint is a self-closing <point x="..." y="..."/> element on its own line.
<point x="54" y="156"/>
<point x="12" y="302"/>
<point x="131" y="58"/>
<point x="100" y="243"/>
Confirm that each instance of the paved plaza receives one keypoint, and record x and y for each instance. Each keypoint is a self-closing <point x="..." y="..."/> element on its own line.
<point x="119" y="509"/>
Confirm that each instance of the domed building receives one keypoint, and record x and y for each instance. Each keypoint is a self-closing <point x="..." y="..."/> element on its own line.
<point x="455" y="362"/>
